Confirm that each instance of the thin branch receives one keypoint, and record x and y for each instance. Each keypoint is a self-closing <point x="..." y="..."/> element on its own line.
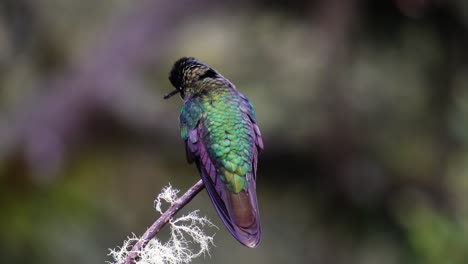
<point x="162" y="221"/>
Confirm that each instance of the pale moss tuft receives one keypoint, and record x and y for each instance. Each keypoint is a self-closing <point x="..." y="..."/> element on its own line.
<point x="187" y="238"/>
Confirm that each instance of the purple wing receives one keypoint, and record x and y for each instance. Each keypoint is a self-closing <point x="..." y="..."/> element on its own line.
<point x="239" y="212"/>
<point x="246" y="107"/>
<point x="258" y="148"/>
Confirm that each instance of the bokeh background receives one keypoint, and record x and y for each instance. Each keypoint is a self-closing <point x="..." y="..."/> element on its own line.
<point x="363" y="107"/>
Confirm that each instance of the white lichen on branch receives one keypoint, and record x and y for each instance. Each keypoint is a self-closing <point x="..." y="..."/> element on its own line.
<point x="187" y="238"/>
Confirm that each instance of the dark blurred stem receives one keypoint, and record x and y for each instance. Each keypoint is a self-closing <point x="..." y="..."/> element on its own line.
<point x="161" y="221"/>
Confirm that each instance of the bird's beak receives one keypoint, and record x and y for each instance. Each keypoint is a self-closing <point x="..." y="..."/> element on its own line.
<point x="169" y="95"/>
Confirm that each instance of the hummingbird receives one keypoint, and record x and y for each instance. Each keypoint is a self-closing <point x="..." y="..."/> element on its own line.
<point x="218" y="125"/>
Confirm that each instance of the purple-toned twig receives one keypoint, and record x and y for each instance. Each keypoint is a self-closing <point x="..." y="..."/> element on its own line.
<point x="161" y="221"/>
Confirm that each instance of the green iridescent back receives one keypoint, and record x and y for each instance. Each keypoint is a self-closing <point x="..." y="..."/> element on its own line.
<point x="224" y="115"/>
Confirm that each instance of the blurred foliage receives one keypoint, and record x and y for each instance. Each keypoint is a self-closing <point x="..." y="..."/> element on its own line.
<point x="363" y="106"/>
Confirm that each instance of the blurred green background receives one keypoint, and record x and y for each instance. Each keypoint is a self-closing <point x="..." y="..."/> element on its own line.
<point x="363" y="107"/>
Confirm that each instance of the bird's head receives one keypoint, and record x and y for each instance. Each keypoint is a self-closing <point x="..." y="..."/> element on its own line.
<point x="185" y="76"/>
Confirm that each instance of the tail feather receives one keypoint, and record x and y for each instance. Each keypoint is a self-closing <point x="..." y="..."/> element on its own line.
<point x="239" y="212"/>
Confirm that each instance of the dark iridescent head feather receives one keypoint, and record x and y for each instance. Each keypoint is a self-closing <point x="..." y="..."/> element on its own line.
<point x="186" y="71"/>
<point x="176" y="76"/>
